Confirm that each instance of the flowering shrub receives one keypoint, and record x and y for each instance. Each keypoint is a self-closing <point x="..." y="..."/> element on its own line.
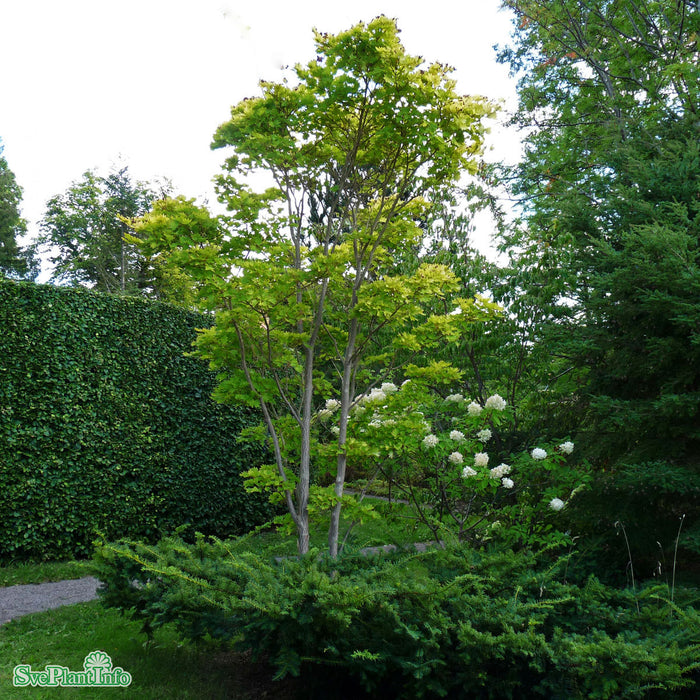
<point x="430" y="440"/>
<point x="556" y="504"/>
<point x="431" y="449"/>
<point x="566" y="448"/>
<point x="481" y="459"/>
<point x="484" y="435"/>
<point x="495" y="402"/>
<point x="500" y="471"/>
<point x="474" y="409"/>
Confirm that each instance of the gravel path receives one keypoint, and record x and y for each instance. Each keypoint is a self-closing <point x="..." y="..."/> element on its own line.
<point x="16" y="601"/>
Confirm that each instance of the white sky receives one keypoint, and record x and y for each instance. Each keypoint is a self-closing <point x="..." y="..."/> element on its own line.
<point x="91" y="83"/>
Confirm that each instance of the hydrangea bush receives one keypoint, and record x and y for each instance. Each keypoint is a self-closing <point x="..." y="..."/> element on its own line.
<point x="441" y="452"/>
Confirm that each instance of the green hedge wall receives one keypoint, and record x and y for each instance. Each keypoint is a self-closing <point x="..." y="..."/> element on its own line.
<point x="106" y="425"/>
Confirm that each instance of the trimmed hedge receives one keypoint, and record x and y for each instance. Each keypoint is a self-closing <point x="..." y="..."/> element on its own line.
<point x="106" y="425"/>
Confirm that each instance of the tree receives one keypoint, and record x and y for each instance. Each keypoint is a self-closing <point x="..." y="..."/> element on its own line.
<point x="303" y="274"/>
<point x="610" y="193"/>
<point x="86" y="232"/>
<point x="501" y="355"/>
<point x="15" y="261"/>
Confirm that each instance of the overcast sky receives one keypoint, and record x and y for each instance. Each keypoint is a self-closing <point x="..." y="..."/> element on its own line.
<point x="144" y="83"/>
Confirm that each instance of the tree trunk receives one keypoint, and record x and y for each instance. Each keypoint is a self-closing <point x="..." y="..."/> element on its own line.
<point x="305" y="456"/>
<point x="345" y="400"/>
<point x="122" y="276"/>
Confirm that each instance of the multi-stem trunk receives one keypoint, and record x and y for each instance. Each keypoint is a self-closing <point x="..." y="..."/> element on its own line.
<point x="302" y="490"/>
<point x="345" y="401"/>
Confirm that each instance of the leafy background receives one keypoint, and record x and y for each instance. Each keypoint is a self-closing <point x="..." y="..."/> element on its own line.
<point x="106" y="425"/>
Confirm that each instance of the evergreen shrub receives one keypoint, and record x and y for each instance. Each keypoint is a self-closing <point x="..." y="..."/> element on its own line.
<point x="106" y="425"/>
<point x="456" y="623"/>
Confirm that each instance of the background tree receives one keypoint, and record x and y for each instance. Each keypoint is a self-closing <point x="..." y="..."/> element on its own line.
<point x="15" y="261"/>
<point x="87" y="235"/>
<point x="502" y="355"/>
<point x="610" y="195"/>
<point x="303" y="275"/>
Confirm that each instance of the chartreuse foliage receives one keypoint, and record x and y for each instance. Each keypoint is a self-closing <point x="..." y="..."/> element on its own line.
<point x="106" y="426"/>
<point x="456" y="622"/>
<point x="360" y="147"/>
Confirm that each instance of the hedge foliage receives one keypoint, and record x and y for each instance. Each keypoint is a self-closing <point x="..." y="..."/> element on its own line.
<point x="106" y="425"/>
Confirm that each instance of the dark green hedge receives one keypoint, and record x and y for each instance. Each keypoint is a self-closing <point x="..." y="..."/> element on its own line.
<point x="106" y="425"/>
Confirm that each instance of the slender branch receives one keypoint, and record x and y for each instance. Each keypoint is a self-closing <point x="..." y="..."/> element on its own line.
<point x="279" y="460"/>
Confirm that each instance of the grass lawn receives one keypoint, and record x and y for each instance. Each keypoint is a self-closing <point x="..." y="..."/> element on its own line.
<point x="29" y="572"/>
<point x="161" y="669"/>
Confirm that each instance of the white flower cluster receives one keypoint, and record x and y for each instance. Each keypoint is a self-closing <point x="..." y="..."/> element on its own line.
<point x="457" y="435"/>
<point x="474" y="409"/>
<point x="538" y="453"/>
<point x="507" y="483"/>
<point x="567" y="447"/>
<point x="335" y="430"/>
<point x="484" y="435"/>
<point x="500" y="471"/>
<point x="467" y="472"/>
<point x="454" y="398"/>
<point x="389" y="387"/>
<point x="481" y="459"/>
<point x="556" y="504"/>
<point x="332" y="404"/>
<point x="496" y="402"/>
<point x="374" y="395"/>
<point x="430" y="440"/>
<point x="456" y="458"/>
<point x="324" y="413"/>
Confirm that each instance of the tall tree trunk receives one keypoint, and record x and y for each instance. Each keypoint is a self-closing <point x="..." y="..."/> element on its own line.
<point x="305" y="456"/>
<point x="345" y="400"/>
<point x="123" y="268"/>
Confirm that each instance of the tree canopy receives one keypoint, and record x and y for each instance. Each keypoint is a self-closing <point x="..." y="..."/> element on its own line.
<point x="357" y="148"/>
<point x="609" y="247"/>
<point x="15" y="260"/>
<point x="86" y="235"/>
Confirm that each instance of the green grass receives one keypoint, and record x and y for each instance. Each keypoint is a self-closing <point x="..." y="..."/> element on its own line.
<point x="163" y="668"/>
